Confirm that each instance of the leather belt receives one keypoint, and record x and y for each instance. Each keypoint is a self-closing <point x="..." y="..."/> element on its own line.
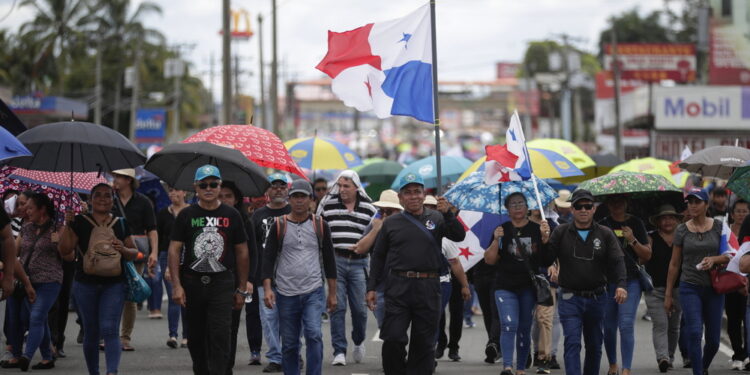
<point x="349" y="254"/>
<point x="585" y="293"/>
<point x="205" y="279"/>
<point x="417" y="274"/>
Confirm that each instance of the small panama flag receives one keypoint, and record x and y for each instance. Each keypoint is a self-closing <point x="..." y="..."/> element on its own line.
<point x="509" y="162"/>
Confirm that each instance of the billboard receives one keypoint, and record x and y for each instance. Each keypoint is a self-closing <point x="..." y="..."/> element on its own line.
<point x="653" y="61"/>
<point x="702" y="108"/>
<point x="150" y="126"/>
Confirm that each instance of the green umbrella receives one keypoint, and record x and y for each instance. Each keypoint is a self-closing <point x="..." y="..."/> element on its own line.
<point x="635" y="185"/>
<point x="366" y="162"/>
<point x="380" y="172"/>
<point x="739" y="183"/>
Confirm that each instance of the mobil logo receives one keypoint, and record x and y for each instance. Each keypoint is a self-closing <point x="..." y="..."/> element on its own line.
<point x="679" y="106"/>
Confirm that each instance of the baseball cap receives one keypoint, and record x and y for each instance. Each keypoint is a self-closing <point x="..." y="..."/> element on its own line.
<point x="278" y="177"/>
<point x="698" y="193"/>
<point x="207" y="170"/>
<point x="581" y="194"/>
<point x="301" y="186"/>
<point x="410" y="178"/>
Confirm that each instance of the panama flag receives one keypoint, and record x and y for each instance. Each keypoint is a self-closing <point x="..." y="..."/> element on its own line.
<point x="729" y="243"/>
<point x="385" y="67"/>
<point x="479" y="227"/>
<point x="734" y="264"/>
<point x="509" y="162"/>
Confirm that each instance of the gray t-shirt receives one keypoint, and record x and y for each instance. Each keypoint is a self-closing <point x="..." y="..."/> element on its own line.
<point x="298" y="270"/>
<point x="695" y="247"/>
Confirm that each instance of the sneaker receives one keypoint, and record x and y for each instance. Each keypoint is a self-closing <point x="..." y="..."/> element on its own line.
<point x="553" y="363"/>
<point x="469" y="324"/>
<point x="543" y="367"/>
<point x="453" y="355"/>
<point x="254" y="359"/>
<point x="172" y="342"/>
<point x="339" y="360"/>
<point x="359" y="353"/>
<point x="273" y="367"/>
<point x="737" y="365"/>
<point x="183" y="344"/>
<point x="663" y="365"/>
<point x="646" y="317"/>
<point x="490" y="352"/>
<point x="156" y="314"/>
<point x="507" y="372"/>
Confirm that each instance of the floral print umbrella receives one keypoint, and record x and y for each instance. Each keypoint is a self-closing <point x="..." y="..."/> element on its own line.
<point x="473" y="194"/>
<point x="634" y="184"/>
<point x="62" y="198"/>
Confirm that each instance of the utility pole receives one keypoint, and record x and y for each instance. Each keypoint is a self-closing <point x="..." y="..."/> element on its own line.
<point x="616" y="72"/>
<point x="176" y="102"/>
<point x="263" y="123"/>
<point x="236" y="89"/>
<point x="226" y="74"/>
<point x="274" y="94"/>
<point x="98" y="87"/>
<point x="527" y="128"/>
<point x="136" y="89"/>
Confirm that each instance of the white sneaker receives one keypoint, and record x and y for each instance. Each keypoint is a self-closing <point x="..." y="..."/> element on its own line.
<point x="359" y="353"/>
<point x="737" y="365"/>
<point x="339" y="360"/>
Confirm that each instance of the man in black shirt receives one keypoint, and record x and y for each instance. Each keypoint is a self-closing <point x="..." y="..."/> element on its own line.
<point x="585" y="251"/>
<point x="407" y="246"/>
<point x="203" y="274"/>
<point x="718" y="205"/>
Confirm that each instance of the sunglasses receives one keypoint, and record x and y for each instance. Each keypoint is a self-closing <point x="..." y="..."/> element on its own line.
<point x="212" y="185"/>
<point x="388" y="211"/>
<point x="583" y="206"/>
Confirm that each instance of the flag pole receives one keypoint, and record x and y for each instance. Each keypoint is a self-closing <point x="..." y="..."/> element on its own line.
<point x="435" y="108"/>
<point x="533" y="176"/>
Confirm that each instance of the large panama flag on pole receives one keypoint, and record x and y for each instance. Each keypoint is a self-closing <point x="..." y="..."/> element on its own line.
<point x="385" y="67"/>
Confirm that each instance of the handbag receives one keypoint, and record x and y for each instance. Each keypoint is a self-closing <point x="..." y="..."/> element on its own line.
<point x="136" y="288"/>
<point x="540" y="283"/>
<point x="647" y="283"/>
<point x="724" y="281"/>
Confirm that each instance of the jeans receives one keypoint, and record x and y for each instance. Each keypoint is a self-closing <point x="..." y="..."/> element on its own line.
<point x="701" y="306"/>
<point x="515" y="309"/>
<point x="155" y="283"/>
<point x="16" y="324"/>
<point x="269" y="319"/>
<point x="351" y="284"/>
<point x="174" y="311"/>
<point x="665" y="331"/>
<point x="58" y="315"/>
<point x="100" y="308"/>
<point x="445" y="292"/>
<point x="582" y="316"/>
<point x="295" y="313"/>
<point x="622" y="318"/>
<point x="379" y="307"/>
<point x="39" y="334"/>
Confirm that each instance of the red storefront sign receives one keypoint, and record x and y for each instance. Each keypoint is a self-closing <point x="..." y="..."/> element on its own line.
<point x="653" y="61"/>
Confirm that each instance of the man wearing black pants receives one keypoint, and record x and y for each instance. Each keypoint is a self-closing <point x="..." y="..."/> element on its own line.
<point x="484" y="279"/>
<point x="455" y="325"/>
<point x="735" y="305"/>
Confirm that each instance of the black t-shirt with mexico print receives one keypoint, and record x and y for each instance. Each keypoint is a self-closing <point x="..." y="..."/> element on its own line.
<point x="82" y="228"/>
<point x="209" y="237"/>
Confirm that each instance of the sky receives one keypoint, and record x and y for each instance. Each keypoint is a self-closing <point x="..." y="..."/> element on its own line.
<point x="472" y="34"/>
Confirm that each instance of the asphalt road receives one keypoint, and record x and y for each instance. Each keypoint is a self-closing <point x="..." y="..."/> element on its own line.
<point x="153" y="356"/>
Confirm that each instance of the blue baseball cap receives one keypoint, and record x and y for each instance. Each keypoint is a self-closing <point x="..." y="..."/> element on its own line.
<point x="206" y="171"/>
<point x="410" y="178"/>
<point x="698" y="193"/>
<point x="278" y="177"/>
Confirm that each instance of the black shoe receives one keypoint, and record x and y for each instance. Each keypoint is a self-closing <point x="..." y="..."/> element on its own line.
<point x="543" y="367"/>
<point x="453" y="355"/>
<point x="23" y="363"/>
<point x="705" y="371"/>
<point x="79" y="339"/>
<point x="507" y="372"/>
<point x="439" y="351"/>
<point x="663" y="365"/>
<point x="172" y="342"/>
<point x="686" y="363"/>
<point x="490" y="351"/>
<point x="273" y="367"/>
<point x="553" y="363"/>
<point x="44" y="366"/>
<point x="9" y="364"/>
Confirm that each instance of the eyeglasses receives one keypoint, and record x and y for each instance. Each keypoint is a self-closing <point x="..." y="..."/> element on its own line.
<point x="583" y="206"/>
<point x="517" y="205"/>
<point x="212" y="185"/>
<point x="321" y="188"/>
<point x="388" y="211"/>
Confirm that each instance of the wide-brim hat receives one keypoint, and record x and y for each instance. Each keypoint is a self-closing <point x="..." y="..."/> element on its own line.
<point x="128" y="172"/>
<point x="665" y="210"/>
<point x="388" y="199"/>
<point x="430" y="199"/>
<point x="562" y="198"/>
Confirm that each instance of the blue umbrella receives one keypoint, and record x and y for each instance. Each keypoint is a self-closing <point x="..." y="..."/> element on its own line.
<point x="473" y="194"/>
<point x="11" y="146"/>
<point x="452" y="166"/>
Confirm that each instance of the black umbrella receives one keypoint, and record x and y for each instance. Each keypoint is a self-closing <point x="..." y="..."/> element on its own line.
<point x="605" y="162"/>
<point x="716" y="161"/>
<point x="77" y="147"/>
<point x="176" y="165"/>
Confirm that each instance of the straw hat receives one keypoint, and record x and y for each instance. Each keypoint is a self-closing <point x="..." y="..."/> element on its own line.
<point x="665" y="210"/>
<point x="429" y="199"/>
<point x="562" y="198"/>
<point x="388" y="199"/>
<point x="128" y="172"/>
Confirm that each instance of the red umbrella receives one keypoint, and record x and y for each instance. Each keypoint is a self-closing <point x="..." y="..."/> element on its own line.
<point x="259" y="145"/>
<point x="62" y="198"/>
<point x="82" y="181"/>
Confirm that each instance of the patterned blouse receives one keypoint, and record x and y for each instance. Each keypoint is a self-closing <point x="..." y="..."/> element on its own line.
<point x="43" y="264"/>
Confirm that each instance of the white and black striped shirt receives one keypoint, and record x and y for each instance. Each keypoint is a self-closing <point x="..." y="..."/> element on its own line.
<point x="347" y="227"/>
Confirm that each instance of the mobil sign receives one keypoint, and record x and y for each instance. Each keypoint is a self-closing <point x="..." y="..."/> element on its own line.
<point x="702" y="108"/>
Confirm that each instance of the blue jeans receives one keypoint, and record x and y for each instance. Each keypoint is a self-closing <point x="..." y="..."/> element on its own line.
<point x="155" y="283"/>
<point x="582" y="316"/>
<point x="296" y="312"/>
<point x="379" y="307"/>
<point x="100" y="307"/>
<point x="269" y="319"/>
<point x="622" y="317"/>
<point x="701" y="306"/>
<point x="174" y="310"/>
<point x="39" y="334"/>
<point x="515" y="310"/>
<point x="351" y="283"/>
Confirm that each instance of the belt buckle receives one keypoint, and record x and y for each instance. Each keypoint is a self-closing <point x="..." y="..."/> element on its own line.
<point x="412" y="274"/>
<point x="206" y="279"/>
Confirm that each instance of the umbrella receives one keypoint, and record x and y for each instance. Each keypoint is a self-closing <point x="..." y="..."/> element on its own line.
<point x="380" y="173"/>
<point x="473" y="194"/>
<point x="322" y="153"/>
<point x="653" y="166"/>
<point x="452" y="168"/>
<point x="82" y="181"/>
<point x="257" y="144"/>
<point x="368" y="161"/>
<point x="716" y="161"/>
<point x="176" y="164"/>
<point x="739" y="182"/>
<point x="546" y="164"/>
<point x="570" y="151"/>
<point x="605" y="162"/>
<point x="12" y="147"/>
<point x="650" y="189"/>
<point x="62" y="199"/>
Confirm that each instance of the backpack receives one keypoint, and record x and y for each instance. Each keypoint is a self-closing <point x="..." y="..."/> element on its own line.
<point x="317" y="221"/>
<point x="101" y="259"/>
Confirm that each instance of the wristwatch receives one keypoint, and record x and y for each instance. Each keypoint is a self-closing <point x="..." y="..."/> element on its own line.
<point x="244" y="294"/>
<point x="633" y="242"/>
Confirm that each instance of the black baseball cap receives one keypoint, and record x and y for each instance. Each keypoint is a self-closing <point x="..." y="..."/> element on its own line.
<point x="581" y="194"/>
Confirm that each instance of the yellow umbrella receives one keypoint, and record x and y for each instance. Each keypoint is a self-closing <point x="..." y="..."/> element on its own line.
<point x="653" y="166"/>
<point x="546" y="164"/>
<point x="571" y="152"/>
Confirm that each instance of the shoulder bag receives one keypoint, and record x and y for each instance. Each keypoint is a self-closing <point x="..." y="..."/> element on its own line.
<point x="136" y="288"/>
<point x="647" y="283"/>
<point x="540" y="283"/>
